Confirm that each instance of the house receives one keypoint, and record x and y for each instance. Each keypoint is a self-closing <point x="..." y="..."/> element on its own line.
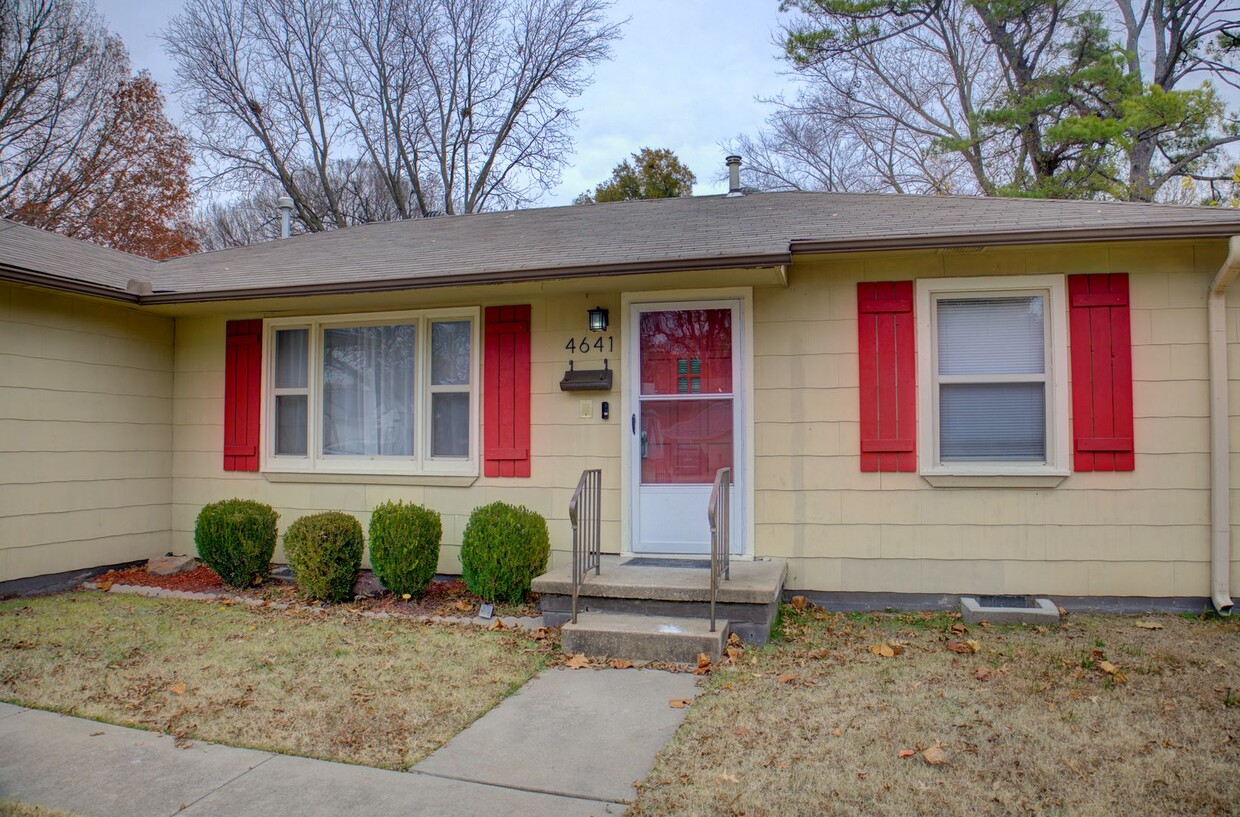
<point x="917" y="396"/>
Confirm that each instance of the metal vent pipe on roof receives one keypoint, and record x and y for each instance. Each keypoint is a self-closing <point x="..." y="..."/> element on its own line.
<point x="734" y="175"/>
<point x="285" y="204"/>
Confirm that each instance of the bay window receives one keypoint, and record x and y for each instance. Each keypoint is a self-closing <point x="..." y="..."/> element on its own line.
<point x="392" y="393"/>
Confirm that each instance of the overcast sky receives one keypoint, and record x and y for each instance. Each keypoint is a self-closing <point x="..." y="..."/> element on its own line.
<point x="685" y="76"/>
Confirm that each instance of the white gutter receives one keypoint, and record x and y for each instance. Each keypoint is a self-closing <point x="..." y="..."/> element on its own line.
<point x="1220" y="438"/>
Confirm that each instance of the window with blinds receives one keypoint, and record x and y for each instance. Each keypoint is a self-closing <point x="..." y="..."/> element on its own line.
<point x="993" y="364"/>
<point x="992" y="378"/>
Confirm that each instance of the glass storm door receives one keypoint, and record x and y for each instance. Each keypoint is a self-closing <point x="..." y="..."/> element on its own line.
<point x="684" y="422"/>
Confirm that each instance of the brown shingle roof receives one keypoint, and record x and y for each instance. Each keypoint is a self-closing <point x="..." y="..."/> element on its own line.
<point x="36" y="256"/>
<point x="665" y="234"/>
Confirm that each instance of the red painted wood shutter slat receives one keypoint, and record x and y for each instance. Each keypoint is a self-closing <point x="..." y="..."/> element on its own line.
<point x="506" y="392"/>
<point x="887" y="363"/>
<point x="1101" y="339"/>
<point x="243" y="364"/>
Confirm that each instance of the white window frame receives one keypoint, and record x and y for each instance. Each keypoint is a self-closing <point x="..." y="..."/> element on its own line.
<point x="421" y="463"/>
<point x="929" y="291"/>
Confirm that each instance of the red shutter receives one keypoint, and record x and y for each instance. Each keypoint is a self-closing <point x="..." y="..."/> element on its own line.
<point x="1101" y="372"/>
<point x="888" y="380"/>
<point x="243" y="367"/>
<point x="506" y="392"/>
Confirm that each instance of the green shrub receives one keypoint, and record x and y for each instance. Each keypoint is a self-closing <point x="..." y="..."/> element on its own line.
<point x="325" y="552"/>
<point x="236" y="538"/>
<point x="404" y="546"/>
<point x="504" y="547"/>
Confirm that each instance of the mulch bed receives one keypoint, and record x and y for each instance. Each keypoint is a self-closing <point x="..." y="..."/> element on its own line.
<point x="448" y="597"/>
<point x="201" y="579"/>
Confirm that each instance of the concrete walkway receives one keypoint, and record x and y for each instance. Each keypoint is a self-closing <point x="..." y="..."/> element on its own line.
<point x="571" y="742"/>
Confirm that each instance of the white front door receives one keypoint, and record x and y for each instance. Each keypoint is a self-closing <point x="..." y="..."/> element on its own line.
<point x="684" y="421"/>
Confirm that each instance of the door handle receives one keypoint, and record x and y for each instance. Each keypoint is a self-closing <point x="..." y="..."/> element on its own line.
<point x="633" y="423"/>
<point x="645" y="447"/>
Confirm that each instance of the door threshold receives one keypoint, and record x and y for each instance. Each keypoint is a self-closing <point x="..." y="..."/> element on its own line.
<point x="628" y="555"/>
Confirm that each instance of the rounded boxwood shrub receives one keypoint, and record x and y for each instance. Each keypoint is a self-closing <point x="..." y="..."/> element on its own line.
<point x="236" y="538"/>
<point x="325" y="551"/>
<point x="503" y="548"/>
<point x="404" y="546"/>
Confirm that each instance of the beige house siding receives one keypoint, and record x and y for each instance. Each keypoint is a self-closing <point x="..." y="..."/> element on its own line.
<point x="562" y="442"/>
<point x="85" y="432"/>
<point x="1144" y="533"/>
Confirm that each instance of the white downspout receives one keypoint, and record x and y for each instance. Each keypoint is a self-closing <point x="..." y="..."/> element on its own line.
<point x="1220" y="436"/>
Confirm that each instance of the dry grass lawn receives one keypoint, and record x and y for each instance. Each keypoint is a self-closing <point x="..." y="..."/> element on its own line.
<point x="1034" y="723"/>
<point x="330" y="685"/>
<point x="12" y="808"/>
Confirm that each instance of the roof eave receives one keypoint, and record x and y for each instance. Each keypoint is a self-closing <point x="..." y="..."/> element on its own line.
<point x="18" y="275"/>
<point x="1071" y="235"/>
<point x="482" y="278"/>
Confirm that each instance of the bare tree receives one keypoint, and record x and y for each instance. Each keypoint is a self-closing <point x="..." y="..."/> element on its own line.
<point x="450" y="106"/>
<point x="1051" y="97"/>
<point x="59" y="67"/>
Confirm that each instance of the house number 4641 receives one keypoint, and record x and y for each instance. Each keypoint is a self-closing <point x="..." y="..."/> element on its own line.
<point x="598" y="344"/>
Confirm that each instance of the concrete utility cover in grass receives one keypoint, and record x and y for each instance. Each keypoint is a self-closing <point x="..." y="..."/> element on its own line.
<point x="581" y="733"/>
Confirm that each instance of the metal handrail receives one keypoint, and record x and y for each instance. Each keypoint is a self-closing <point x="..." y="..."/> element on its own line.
<point x="719" y="514"/>
<point x="584" y="512"/>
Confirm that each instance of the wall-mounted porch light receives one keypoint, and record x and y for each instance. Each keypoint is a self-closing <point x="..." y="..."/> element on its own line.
<point x="598" y="319"/>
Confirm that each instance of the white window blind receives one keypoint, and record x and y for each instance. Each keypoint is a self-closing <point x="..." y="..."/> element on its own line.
<point x="992" y="378"/>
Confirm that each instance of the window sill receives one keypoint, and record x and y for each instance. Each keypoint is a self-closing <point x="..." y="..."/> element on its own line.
<point x="443" y="480"/>
<point x="964" y="479"/>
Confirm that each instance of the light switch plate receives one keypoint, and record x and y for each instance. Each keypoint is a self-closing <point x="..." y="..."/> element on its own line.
<point x="587" y="409"/>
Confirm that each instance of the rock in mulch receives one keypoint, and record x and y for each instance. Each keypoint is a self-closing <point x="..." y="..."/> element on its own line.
<point x="367" y="586"/>
<point x="170" y="565"/>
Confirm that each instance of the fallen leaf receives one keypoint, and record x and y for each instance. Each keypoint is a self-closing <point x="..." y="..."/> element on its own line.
<point x="727" y="778"/>
<point x="907" y="753"/>
<point x="105" y="586"/>
<point x="835" y="732"/>
<point x="178" y="688"/>
<point x="734" y="653"/>
<point x="964" y="647"/>
<point x="786" y="677"/>
<point x="578" y="661"/>
<point x="799" y="603"/>
<point x="734" y="640"/>
<point x="1050" y="707"/>
<point x="703" y="660"/>
<point x="1108" y="667"/>
<point x="821" y="652"/>
<point x="463" y="605"/>
<point x="982" y="674"/>
<point x="679" y="703"/>
<point x="96" y="734"/>
<point x="959" y="628"/>
<point x="496" y="624"/>
<point x="934" y="756"/>
<point x="541" y="634"/>
<point x="621" y="663"/>
<point x="886" y="650"/>
<point x="1146" y="624"/>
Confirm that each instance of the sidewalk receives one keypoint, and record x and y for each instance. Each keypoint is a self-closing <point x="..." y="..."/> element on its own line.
<point x="571" y="742"/>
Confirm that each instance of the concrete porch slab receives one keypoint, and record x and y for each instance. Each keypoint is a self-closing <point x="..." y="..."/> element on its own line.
<point x="577" y="733"/>
<point x="752" y="582"/>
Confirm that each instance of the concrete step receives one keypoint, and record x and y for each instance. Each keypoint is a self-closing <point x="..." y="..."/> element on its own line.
<point x="644" y="638"/>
